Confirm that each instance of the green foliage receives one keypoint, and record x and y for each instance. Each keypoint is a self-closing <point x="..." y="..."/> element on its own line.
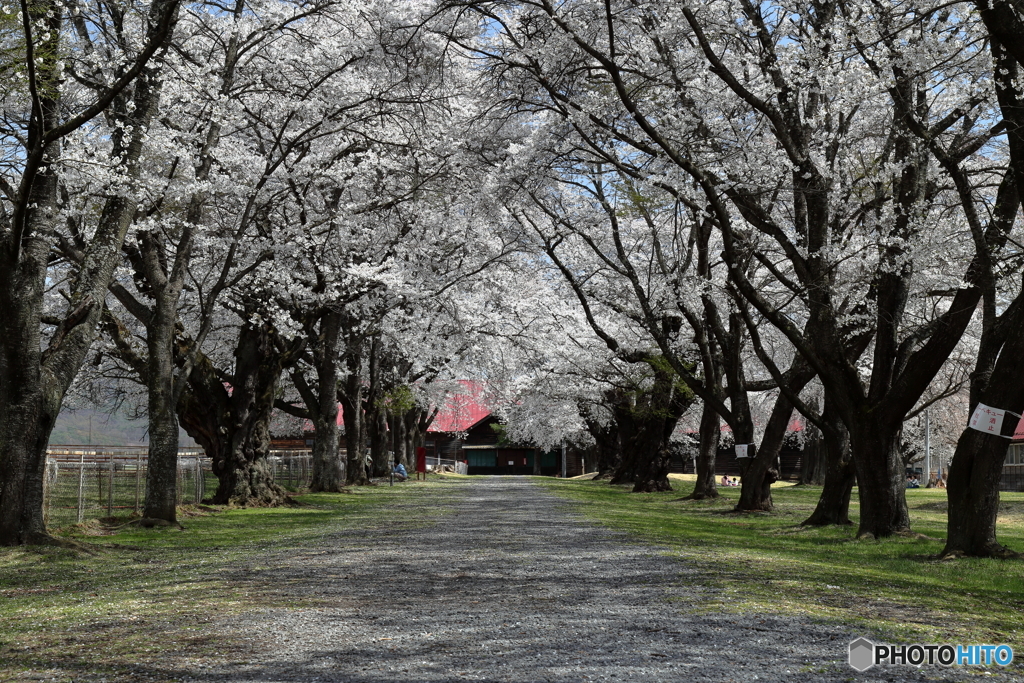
<point x="502" y="431"/>
<point x="399" y="400"/>
<point x="768" y="562"/>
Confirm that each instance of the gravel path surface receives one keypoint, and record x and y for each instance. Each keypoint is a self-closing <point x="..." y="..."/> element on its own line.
<point x="511" y="585"/>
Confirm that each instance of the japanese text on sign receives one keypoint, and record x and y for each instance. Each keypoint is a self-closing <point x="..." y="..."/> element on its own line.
<point x="987" y="419"/>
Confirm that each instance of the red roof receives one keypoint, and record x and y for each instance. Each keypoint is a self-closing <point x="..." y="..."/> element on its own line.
<point x="461" y="410"/>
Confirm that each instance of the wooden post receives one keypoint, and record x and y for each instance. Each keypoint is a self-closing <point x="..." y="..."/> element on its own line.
<point x="110" y="488"/>
<point x="138" y="477"/>
<point x="46" y="492"/>
<point x="81" y="488"/>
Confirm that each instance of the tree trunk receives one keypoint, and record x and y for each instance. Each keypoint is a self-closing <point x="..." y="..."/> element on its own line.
<point x="977" y="465"/>
<point x="413" y="438"/>
<point x="33" y="384"/>
<point x="973" y="495"/>
<point x="352" y="401"/>
<point x="377" y="425"/>
<point x="29" y="397"/>
<point x="25" y="426"/>
<point x="162" y="469"/>
<point x="607" y="456"/>
<point x="328" y="475"/>
<point x="246" y="477"/>
<point x="644" y="432"/>
<point x="710" y="437"/>
<point x="234" y="427"/>
<point x="762" y="468"/>
<point x="834" y="503"/>
<point x="881" y="477"/>
<point x="814" y="459"/>
<point x="396" y="423"/>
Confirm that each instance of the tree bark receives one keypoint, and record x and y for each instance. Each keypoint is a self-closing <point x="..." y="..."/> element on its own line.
<point x="399" y="444"/>
<point x="977" y="465"/>
<point x="328" y="475"/>
<point x="162" y="469"/>
<point x="413" y="437"/>
<point x="834" y="502"/>
<point x="881" y="476"/>
<point x="973" y="495"/>
<point x="232" y="423"/>
<point x="760" y="470"/>
<point x="607" y="455"/>
<point x="814" y="459"/>
<point x="710" y="437"/>
<point x="352" y="401"/>
<point x="377" y="425"/>
<point x="30" y="396"/>
<point x="645" y="427"/>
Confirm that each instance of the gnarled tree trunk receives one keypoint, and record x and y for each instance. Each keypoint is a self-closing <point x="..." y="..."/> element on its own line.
<point x="232" y="424"/>
<point x="644" y="429"/>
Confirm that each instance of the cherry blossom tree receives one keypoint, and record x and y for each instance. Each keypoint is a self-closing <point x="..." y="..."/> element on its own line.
<point x="74" y="69"/>
<point x="793" y="129"/>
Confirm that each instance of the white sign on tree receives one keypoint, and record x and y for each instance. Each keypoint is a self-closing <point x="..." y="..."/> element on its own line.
<point x="989" y="420"/>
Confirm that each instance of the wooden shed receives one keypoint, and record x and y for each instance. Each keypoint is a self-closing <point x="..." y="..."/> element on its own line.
<point x="1013" y="466"/>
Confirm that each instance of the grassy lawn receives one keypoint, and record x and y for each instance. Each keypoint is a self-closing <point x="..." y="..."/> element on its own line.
<point x="144" y="596"/>
<point x="768" y="562"/>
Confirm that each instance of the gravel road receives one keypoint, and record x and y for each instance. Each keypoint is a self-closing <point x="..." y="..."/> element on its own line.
<point x="511" y="585"/>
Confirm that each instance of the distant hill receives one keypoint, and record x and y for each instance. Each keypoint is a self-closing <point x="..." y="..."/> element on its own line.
<point x="100" y="428"/>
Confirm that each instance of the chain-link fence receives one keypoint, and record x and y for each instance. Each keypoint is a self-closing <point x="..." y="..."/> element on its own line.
<point x="89" y="482"/>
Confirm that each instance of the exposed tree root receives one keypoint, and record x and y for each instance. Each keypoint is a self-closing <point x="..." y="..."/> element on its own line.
<point x="39" y="541"/>
<point x="996" y="551"/>
<point x="702" y="496"/>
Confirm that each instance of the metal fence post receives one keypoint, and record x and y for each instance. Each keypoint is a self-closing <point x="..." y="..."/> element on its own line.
<point x="81" y="489"/>
<point x="199" y="476"/>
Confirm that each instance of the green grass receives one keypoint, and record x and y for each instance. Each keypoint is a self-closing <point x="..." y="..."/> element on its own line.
<point x="143" y="598"/>
<point x="766" y="561"/>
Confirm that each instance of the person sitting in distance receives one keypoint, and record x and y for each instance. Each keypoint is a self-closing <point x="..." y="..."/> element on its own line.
<point x="400" y="473"/>
<point x="725" y="480"/>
